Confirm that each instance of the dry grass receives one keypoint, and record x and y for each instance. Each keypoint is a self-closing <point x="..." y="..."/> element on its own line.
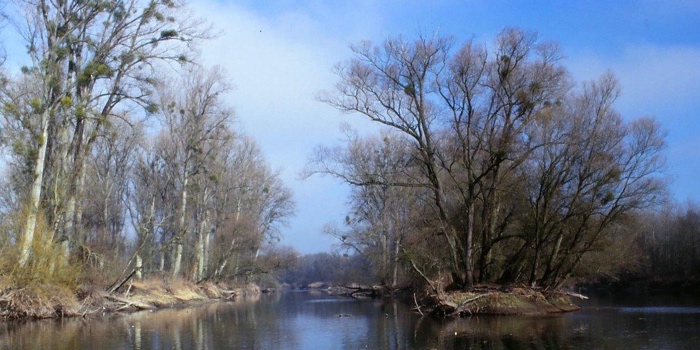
<point x="169" y="292"/>
<point x="49" y="285"/>
<point x="509" y="301"/>
<point x="47" y="263"/>
<point x="43" y="287"/>
<point x="38" y="301"/>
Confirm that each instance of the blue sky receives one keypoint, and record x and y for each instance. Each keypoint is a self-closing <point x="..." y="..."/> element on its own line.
<point x="279" y="55"/>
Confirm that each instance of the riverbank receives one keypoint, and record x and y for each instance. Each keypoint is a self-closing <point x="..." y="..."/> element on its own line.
<point x="51" y="301"/>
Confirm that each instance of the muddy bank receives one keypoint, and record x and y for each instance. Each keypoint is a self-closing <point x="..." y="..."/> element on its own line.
<point x="49" y="301"/>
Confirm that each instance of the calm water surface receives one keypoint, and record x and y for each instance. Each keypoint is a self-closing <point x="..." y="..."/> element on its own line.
<point x="300" y="320"/>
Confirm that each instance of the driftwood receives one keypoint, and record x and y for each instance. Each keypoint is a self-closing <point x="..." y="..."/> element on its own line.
<point x="230" y="294"/>
<point x="130" y="302"/>
<point x="121" y="282"/>
<point x="460" y="308"/>
<point x="370" y="291"/>
<point x="575" y="295"/>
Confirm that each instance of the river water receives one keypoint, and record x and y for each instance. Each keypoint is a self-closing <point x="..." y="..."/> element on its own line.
<point x="301" y="320"/>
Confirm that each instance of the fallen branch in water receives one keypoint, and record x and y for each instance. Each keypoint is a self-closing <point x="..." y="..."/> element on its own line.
<point x="230" y="294"/>
<point x="575" y="295"/>
<point x="371" y="291"/>
<point x="130" y="302"/>
<point x="459" y="309"/>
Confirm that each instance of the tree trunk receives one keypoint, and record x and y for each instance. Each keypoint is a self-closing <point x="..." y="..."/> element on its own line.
<point x="202" y="236"/>
<point x="181" y="235"/>
<point x="469" y="246"/>
<point x="395" y="277"/>
<point x="35" y="194"/>
<point x="74" y="183"/>
<point x="139" y="267"/>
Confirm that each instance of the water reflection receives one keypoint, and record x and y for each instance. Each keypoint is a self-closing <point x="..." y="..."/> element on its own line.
<point x="317" y="321"/>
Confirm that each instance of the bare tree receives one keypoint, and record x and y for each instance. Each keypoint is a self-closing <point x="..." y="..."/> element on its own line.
<point x="526" y="175"/>
<point x="482" y="103"/>
<point x="107" y="188"/>
<point x="379" y="219"/>
<point x="198" y="122"/>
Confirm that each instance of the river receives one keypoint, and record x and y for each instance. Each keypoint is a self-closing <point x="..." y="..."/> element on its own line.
<point x="301" y="320"/>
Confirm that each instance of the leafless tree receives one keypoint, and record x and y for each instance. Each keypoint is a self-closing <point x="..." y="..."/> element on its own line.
<point x="482" y="102"/>
<point x="505" y="146"/>
<point x="379" y="219"/>
<point x="198" y="123"/>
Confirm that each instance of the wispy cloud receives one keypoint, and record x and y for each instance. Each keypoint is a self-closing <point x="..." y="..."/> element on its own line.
<point x="278" y="63"/>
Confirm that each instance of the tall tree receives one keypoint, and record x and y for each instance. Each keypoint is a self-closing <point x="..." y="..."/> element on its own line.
<point x="526" y="174"/>
<point x="420" y="89"/>
<point x="199" y="124"/>
<point x="88" y="58"/>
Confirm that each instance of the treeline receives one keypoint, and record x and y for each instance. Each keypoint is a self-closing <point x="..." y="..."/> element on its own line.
<point x="332" y="268"/>
<point x="669" y="246"/>
<point x="491" y="164"/>
<point x="122" y="153"/>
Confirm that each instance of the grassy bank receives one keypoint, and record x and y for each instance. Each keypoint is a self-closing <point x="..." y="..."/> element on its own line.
<point x="50" y="284"/>
<point x="480" y="300"/>
<point x="51" y="300"/>
<point x="487" y="300"/>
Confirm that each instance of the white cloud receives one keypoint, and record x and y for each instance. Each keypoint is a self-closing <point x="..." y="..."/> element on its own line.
<point x="277" y="65"/>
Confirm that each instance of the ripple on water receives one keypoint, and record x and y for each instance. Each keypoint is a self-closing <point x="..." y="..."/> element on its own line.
<point x="661" y="310"/>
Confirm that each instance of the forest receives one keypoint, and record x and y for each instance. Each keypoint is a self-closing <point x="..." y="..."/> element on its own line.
<point x="489" y="164"/>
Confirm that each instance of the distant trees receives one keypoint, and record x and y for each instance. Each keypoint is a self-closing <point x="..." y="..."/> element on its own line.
<point x="510" y="171"/>
<point x="670" y="244"/>
<point x="328" y="268"/>
<point x="197" y="124"/>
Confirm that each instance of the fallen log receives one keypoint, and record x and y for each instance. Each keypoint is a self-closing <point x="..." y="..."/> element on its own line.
<point x="359" y="291"/>
<point x="573" y="294"/>
<point x="131" y="302"/>
<point x="460" y="308"/>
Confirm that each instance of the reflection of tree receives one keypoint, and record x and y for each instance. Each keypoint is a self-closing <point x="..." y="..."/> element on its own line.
<point x="501" y="332"/>
<point x="301" y="321"/>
